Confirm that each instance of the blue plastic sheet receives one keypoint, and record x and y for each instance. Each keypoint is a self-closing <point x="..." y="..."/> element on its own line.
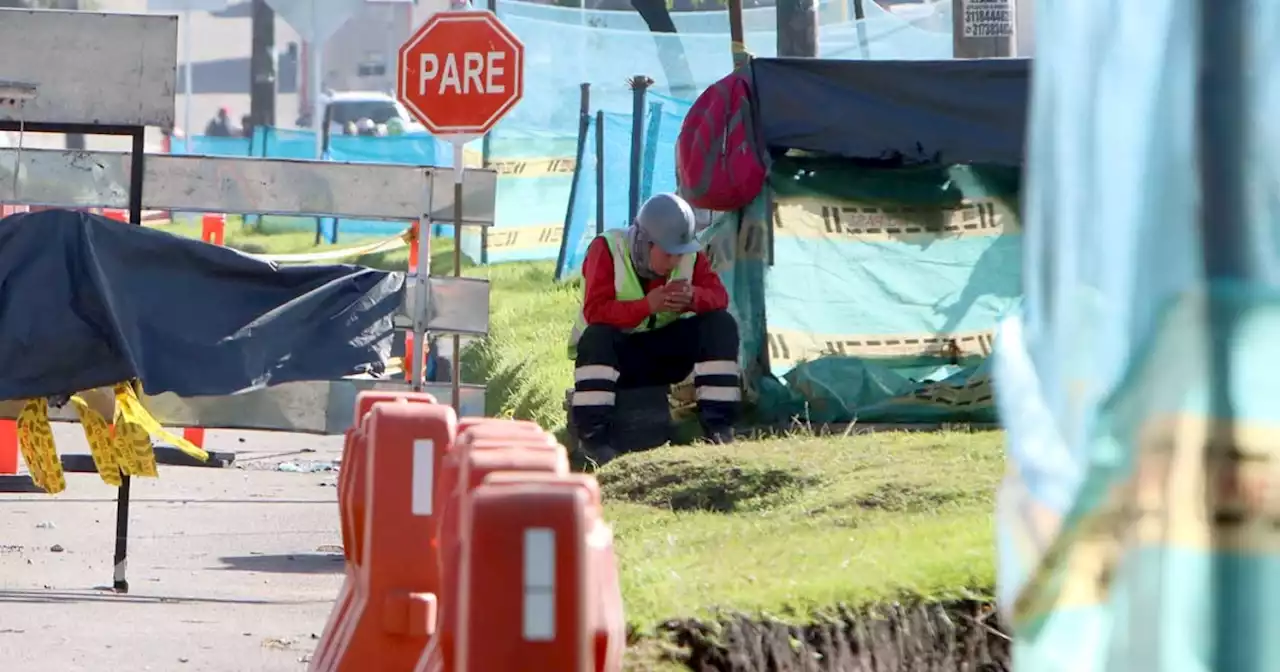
<point x="1136" y="521"/>
<point x="86" y="302"/>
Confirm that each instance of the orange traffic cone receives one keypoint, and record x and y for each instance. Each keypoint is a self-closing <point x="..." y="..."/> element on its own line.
<point x="351" y="511"/>
<point x="392" y="611"/>
<point x="526" y="543"/>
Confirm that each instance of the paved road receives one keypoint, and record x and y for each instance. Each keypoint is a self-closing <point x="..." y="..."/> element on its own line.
<point x="230" y="569"/>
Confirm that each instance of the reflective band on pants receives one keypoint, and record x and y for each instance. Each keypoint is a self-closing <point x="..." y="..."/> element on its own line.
<point x="593" y="398"/>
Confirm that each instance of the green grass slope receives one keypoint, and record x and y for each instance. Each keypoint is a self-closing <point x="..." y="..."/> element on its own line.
<point x="789" y="527"/>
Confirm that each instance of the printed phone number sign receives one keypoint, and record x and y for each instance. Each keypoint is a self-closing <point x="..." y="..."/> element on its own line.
<point x="988" y="18"/>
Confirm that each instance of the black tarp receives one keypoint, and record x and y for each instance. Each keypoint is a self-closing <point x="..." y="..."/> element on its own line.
<point x="960" y="111"/>
<point x="86" y="301"/>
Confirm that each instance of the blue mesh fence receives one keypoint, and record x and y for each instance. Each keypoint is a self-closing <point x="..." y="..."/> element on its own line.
<point x="565" y="47"/>
<point x="534" y="147"/>
<point x="661" y="127"/>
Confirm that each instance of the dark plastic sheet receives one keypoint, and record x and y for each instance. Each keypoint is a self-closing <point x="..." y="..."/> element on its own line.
<point x="948" y="112"/>
<point x="86" y="301"/>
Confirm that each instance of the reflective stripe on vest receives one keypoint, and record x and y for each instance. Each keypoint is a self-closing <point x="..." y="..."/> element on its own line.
<point x="628" y="287"/>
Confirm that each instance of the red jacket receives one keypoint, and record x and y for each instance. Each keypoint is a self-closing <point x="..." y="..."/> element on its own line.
<point x="601" y="304"/>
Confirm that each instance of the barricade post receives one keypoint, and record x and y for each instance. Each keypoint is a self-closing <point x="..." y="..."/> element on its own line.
<point x="484" y="448"/>
<point x="527" y="542"/>
<point x="608" y="625"/>
<point x="351" y="509"/>
<point x="392" y="611"/>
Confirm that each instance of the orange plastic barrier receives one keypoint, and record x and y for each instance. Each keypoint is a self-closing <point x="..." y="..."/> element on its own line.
<point x="351" y="512"/>
<point x="608" y="624"/>
<point x="486" y="446"/>
<point x="528" y="544"/>
<point x="8" y="447"/>
<point x="9" y="428"/>
<point x="392" y="609"/>
<point x="116" y="214"/>
<point x="407" y="362"/>
<point x="213" y="228"/>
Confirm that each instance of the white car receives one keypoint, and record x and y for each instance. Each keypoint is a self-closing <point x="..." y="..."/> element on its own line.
<point x="351" y="106"/>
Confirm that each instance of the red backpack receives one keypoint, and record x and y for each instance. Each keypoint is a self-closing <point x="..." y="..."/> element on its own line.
<point x="719" y="166"/>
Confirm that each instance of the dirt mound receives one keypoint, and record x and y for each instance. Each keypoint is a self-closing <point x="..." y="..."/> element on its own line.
<point x="720" y="486"/>
<point x="958" y="636"/>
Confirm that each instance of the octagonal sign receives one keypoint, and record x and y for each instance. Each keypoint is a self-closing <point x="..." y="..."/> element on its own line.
<point x="460" y="73"/>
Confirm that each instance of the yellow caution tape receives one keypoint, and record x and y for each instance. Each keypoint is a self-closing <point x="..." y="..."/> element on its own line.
<point x="514" y="239"/>
<point x="102" y="444"/>
<point x="129" y="409"/>
<point x="386" y="245"/>
<point x="124" y="446"/>
<point x="35" y="440"/>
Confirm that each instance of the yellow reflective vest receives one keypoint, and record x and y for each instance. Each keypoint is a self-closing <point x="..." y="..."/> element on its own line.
<point x="628" y="287"/>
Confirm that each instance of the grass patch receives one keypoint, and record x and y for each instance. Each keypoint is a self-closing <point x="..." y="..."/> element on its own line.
<point x="816" y="522"/>
<point x="788" y="528"/>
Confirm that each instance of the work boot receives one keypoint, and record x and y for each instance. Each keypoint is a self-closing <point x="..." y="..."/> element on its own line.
<point x="718" y="435"/>
<point x="598" y="454"/>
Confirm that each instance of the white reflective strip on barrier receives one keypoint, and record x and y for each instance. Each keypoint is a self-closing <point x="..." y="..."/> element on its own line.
<point x="424" y="475"/>
<point x="710" y="393"/>
<point x="718" y="367"/>
<point x="539" y="584"/>
<point x="594" y="398"/>
<point x="595" y="372"/>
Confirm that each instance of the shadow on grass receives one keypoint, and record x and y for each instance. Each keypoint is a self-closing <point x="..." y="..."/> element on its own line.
<point x="717" y="485"/>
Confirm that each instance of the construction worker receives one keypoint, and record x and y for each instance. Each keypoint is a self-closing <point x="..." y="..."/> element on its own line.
<point x="653" y="310"/>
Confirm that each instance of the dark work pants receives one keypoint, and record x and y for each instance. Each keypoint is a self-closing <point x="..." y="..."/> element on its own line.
<point x="610" y="359"/>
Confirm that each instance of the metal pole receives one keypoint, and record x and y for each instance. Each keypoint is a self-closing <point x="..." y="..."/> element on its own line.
<point x="486" y="155"/>
<point x="120" y="563"/>
<point x="639" y="85"/>
<point x="1224" y="136"/>
<point x="584" y="123"/>
<point x="459" y="170"/>
<point x="737" y="35"/>
<point x="317" y="106"/>
<point x="797" y="28"/>
<point x="599" y="172"/>
<point x="187" y="87"/>
<point x="422" y="295"/>
<point x="652" y="133"/>
<point x="858" y="16"/>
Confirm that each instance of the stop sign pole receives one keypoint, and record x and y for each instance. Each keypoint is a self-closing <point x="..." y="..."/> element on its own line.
<point x="459" y="74"/>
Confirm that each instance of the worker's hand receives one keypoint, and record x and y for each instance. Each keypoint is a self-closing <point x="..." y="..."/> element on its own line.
<point x="657" y="299"/>
<point x="674" y="297"/>
<point x="679" y="297"/>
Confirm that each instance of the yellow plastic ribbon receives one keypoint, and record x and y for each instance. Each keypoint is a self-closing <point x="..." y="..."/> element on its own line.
<point x="124" y="447"/>
<point x="131" y="412"/>
<point x="102" y="444"/>
<point x="35" y="440"/>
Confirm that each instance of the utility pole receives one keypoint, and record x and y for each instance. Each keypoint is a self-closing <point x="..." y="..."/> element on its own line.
<point x="797" y="28"/>
<point x="262" y="66"/>
<point x="984" y="28"/>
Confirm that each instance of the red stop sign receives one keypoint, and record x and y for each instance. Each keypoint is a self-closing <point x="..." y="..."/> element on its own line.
<point x="461" y="72"/>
